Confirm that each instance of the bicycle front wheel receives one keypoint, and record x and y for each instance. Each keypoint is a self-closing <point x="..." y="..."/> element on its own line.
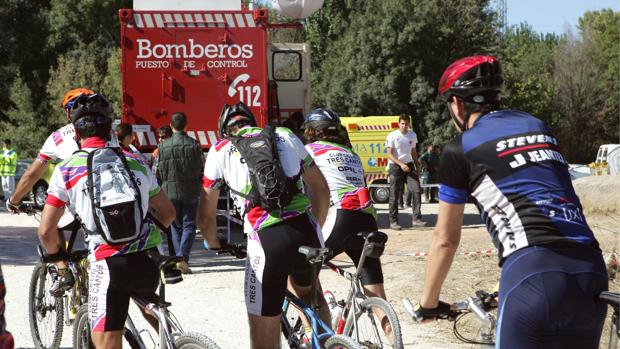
<point x="45" y="312"/>
<point x="194" y="341"/>
<point x="338" y="341"/>
<point x="377" y="325"/>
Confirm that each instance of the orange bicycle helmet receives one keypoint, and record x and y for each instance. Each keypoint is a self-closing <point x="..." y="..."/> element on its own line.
<point x="72" y="94"/>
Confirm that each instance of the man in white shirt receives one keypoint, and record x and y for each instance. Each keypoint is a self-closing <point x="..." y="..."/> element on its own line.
<point x="403" y="166"/>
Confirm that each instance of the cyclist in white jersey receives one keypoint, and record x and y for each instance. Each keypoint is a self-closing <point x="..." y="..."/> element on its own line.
<point x="116" y="271"/>
<point x="351" y="210"/>
<point x="273" y="237"/>
<point x="59" y="145"/>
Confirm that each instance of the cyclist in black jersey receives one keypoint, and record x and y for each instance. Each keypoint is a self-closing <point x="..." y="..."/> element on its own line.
<point x="511" y="165"/>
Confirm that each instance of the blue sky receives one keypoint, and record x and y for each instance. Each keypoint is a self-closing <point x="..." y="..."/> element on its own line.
<point x="554" y="15"/>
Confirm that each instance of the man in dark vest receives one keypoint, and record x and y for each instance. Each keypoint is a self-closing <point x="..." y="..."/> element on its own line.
<point x="180" y="164"/>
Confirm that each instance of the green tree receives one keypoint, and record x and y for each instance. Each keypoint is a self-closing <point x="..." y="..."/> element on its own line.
<point x="85" y="66"/>
<point x="603" y="27"/>
<point x="386" y="57"/>
<point x="23" y="126"/>
<point x="527" y="63"/>
<point x="586" y="79"/>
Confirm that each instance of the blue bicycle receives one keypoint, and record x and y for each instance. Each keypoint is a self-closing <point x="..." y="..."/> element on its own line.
<point x="293" y="309"/>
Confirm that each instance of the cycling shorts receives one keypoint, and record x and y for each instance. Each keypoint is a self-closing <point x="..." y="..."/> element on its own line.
<point x="272" y="257"/>
<point x="111" y="282"/>
<point x="548" y="298"/>
<point x="344" y="238"/>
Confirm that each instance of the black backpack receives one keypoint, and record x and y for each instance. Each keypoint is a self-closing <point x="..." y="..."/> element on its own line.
<point x="271" y="188"/>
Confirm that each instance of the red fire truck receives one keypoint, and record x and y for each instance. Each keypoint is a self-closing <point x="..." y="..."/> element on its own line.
<point x="194" y="56"/>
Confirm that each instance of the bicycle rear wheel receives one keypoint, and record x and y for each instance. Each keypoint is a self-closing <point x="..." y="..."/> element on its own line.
<point x="194" y="341"/>
<point x="338" y="341"/>
<point x="81" y="329"/>
<point x="45" y="312"/>
<point x="370" y="329"/>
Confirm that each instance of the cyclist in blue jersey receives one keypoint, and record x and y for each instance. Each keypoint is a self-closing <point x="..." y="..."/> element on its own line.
<point x="510" y="163"/>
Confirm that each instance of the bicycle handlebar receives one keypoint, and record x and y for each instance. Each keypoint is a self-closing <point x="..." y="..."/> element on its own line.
<point x="238" y="251"/>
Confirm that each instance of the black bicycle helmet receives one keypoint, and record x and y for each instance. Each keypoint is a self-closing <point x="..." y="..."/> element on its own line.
<point x="322" y="118"/>
<point x="233" y="114"/>
<point x="93" y="105"/>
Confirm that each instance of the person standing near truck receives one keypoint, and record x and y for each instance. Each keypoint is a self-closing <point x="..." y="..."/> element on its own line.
<point x="180" y="163"/>
<point x="430" y="172"/>
<point x="8" y="167"/>
<point x="403" y="167"/>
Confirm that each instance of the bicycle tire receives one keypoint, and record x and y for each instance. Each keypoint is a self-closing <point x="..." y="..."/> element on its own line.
<point x="81" y="329"/>
<point x="193" y="340"/>
<point x="39" y="310"/>
<point x="370" y="340"/>
<point x="339" y="341"/>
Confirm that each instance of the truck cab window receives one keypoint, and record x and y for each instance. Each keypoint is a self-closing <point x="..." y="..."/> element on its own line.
<point x="286" y="66"/>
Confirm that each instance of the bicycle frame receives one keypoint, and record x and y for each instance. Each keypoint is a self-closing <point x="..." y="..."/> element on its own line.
<point x="315" y="320"/>
<point x="355" y="291"/>
<point x="168" y="325"/>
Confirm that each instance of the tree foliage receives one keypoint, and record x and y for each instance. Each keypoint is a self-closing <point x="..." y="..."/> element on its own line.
<point x="368" y="57"/>
<point x="385" y="57"/>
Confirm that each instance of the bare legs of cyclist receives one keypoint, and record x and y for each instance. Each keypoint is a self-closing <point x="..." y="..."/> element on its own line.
<point x="265" y="331"/>
<point x="108" y="339"/>
<point x="377" y="290"/>
<point x="152" y="320"/>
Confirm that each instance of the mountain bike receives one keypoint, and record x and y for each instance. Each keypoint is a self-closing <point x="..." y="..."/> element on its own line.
<point x="171" y="334"/>
<point x="613" y="300"/>
<point x="293" y="309"/>
<point x="46" y="313"/>
<point x="483" y="305"/>
<point x="364" y="318"/>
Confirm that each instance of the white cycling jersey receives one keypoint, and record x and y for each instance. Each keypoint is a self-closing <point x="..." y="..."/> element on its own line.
<point x="224" y="163"/>
<point x="68" y="186"/>
<point x="62" y="143"/>
<point x="344" y="173"/>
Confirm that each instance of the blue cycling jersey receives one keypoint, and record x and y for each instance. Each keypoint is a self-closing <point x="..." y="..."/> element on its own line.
<point x="510" y="163"/>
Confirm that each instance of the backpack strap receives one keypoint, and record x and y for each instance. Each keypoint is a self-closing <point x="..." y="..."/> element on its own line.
<point x="166" y="230"/>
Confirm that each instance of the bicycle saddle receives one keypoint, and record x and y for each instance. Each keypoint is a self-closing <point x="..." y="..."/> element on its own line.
<point x="314" y="253"/>
<point x="375" y="243"/>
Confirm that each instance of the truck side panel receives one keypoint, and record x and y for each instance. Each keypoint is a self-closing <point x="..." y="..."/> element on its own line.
<point x="193" y="62"/>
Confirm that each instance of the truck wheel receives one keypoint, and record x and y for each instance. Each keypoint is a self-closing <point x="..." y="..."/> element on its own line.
<point x="380" y="195"/>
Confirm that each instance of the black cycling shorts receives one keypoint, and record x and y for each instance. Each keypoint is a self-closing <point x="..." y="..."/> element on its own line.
<point x="344" y="238"/>
<point x="548" y="298"/>
<point x="112" y="281"/>
<point x="272" y="257"/>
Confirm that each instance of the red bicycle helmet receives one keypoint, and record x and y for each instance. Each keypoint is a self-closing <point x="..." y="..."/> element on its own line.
<point x="476" y="79"/>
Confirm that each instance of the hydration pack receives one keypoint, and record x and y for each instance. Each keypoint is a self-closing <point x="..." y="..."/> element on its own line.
<point x="115" y="197"/>
<point x="271" y="188"/>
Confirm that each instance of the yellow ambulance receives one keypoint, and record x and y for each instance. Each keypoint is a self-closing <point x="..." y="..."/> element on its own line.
<point x="368" y="136"/>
